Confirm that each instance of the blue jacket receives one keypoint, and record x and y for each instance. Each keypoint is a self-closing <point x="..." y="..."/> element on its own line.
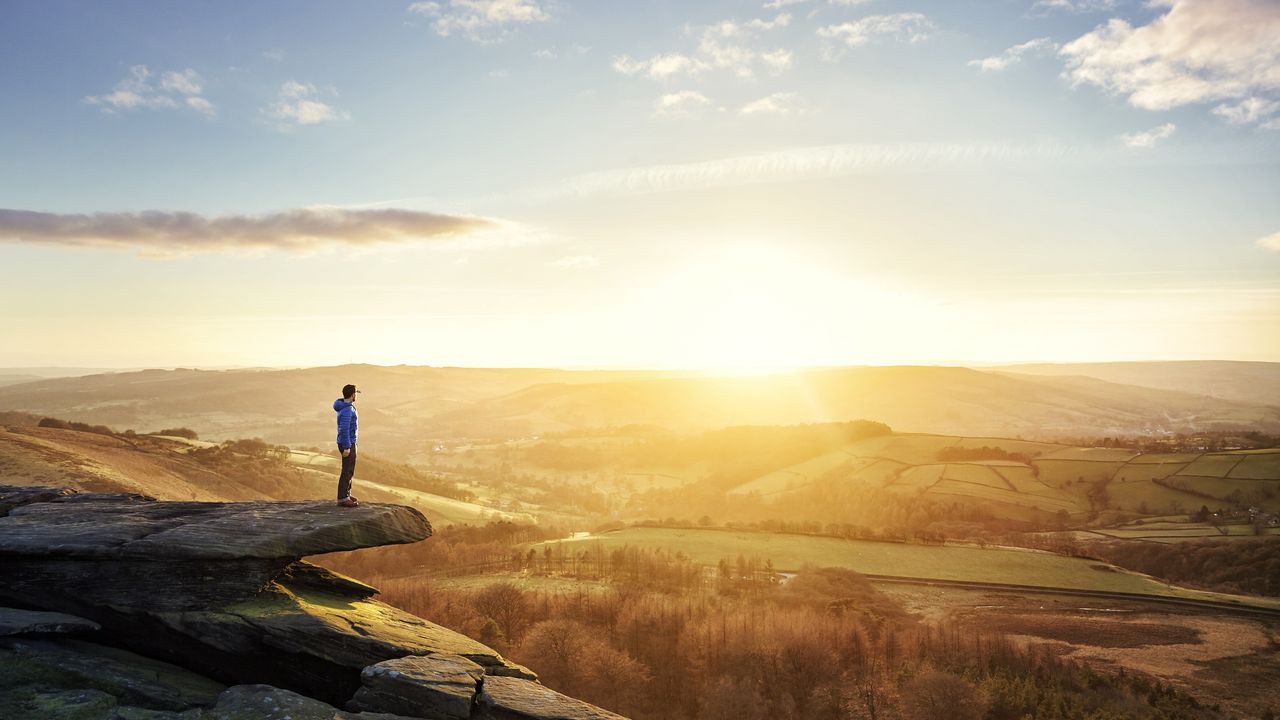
<point x="347" y="421"/>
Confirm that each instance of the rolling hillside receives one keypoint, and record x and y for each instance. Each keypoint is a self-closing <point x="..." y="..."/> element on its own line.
<point x="165" y="468"/>
<point x="405" y="409"/>
<point x="1249" y="382"/>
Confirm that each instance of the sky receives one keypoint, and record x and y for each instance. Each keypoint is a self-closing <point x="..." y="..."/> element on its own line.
<point x="576" y="183"/>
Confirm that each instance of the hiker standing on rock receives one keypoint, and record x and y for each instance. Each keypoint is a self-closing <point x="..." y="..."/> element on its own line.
<point x="345" y="406"/>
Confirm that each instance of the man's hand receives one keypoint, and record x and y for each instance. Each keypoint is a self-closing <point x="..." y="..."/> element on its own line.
<point x="346" y="452"/>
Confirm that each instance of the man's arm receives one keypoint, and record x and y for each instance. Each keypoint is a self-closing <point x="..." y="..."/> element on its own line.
<point x="344" y="432"/>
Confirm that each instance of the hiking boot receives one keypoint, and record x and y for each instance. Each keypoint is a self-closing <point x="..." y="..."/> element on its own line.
<point x="348" y="502"/>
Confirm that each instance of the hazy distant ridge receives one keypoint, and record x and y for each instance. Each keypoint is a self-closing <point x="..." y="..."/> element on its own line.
<point x="404" y="407"/>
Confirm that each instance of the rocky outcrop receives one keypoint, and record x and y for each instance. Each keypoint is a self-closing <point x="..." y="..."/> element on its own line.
<point x="30" y="622"/>
<point x="220" y="591"/>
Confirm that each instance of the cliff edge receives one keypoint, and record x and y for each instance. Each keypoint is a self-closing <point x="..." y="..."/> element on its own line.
<point x="120" y="606"/>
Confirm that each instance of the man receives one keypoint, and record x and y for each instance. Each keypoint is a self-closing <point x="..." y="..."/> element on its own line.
<point x="345" y="406"/>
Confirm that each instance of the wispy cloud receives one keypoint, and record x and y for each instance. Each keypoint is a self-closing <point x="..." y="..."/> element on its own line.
<point x="157" y="233"/>
<point x="1014" y="55"/>
<point x="480" y="20"/>
<point x="1150" y="138"/>
<point x="796" y="164"/>
<point x="1270" y="242"/>
<point x="300" y="104"/>
<point x="1247" y="111"/>
<point x="658" y="67"/>
<point x="680" y="104"/>
<point x="1198" y="51"/>
<point x="779" y="103"/>
<point x="1073" y="6"/>
<point x="910" y="27"/>
<point x="141" y="88"/>
<point x="726" y="45"/>
<point x="780" y="21"/>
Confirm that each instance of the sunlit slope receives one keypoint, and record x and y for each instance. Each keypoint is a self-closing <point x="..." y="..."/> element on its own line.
<point x="945" y="400"/>
<point x="790" y="553"/>
<point x="162" y="468"/>
<point x="104" y="463"/>
<point x="1054" y="477"/>
<point x="1249" y="382"/>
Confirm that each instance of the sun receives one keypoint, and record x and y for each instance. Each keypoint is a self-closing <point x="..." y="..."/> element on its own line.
<point x="747" y="309"/>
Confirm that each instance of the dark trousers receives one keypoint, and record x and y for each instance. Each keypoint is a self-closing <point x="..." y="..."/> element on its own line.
<point x="348" y="470"/>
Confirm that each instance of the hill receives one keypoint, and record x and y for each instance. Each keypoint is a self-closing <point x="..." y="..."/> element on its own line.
<point x="406" y="409"/>
<point x="180" y="469"/>
<point x="949" y="400"/>
<point x="1249" y="382"/>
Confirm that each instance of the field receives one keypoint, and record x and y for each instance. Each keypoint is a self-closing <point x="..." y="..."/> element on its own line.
<point x="959" y="563"/>
<point x="1057" y="478"/>
<point x="1173" y="531"/>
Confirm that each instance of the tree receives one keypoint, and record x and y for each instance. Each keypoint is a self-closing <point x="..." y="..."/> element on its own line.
<point x="936" y="694"/>
<point x="507" y="606"/>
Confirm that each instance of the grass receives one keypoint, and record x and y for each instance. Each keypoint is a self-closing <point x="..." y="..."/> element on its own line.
<point x="1212" y="465"/>
<point x="961" y="563"/>
<point x="1258" y="466"/>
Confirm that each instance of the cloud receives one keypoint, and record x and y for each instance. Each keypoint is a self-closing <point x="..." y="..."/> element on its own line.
<point x="777" y="4"/>
<point x="274" y="54"/>
<point x="658" y="67"/>
<point x="782" y="20"/>
<point x="1199" y="51"/>
<point x="680" y="104"/>
<point x="299" y="104"/>
<point x="1074" y="6"/>
<point x="1014" y="55"/>
<point x="176" y="233"/>
<point x="1270" y="242"/>
<point x="726" y="45"/>
<point x="480" y="20"/>
<point x="911" y="27"/>
<point x="779" y="103"/>
<point x="797" y="164"/>
<point x="1247" y="111"/>
<point x="575" y="262"/>
<point x="1149" y="138"/>
<point x="140" y="89"/>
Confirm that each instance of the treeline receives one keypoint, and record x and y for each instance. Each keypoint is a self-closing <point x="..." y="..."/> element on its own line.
<point x="77" y="426"/>
<point x="1233" y="566"/>
<point x="824" y="646"/>
<point x="960" y="454"/>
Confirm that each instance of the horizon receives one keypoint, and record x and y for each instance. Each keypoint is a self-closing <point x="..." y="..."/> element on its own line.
<point x="970" y="365"/>
<point x="731" y="185"/>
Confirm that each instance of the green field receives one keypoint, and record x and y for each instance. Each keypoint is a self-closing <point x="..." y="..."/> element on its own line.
<point x="1173" y="532"/>
<point x="1258" y="466"/>
<point x="1217" y="465"/>
<point x="961" y="563"/>
<point x="1058" y="477"/>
